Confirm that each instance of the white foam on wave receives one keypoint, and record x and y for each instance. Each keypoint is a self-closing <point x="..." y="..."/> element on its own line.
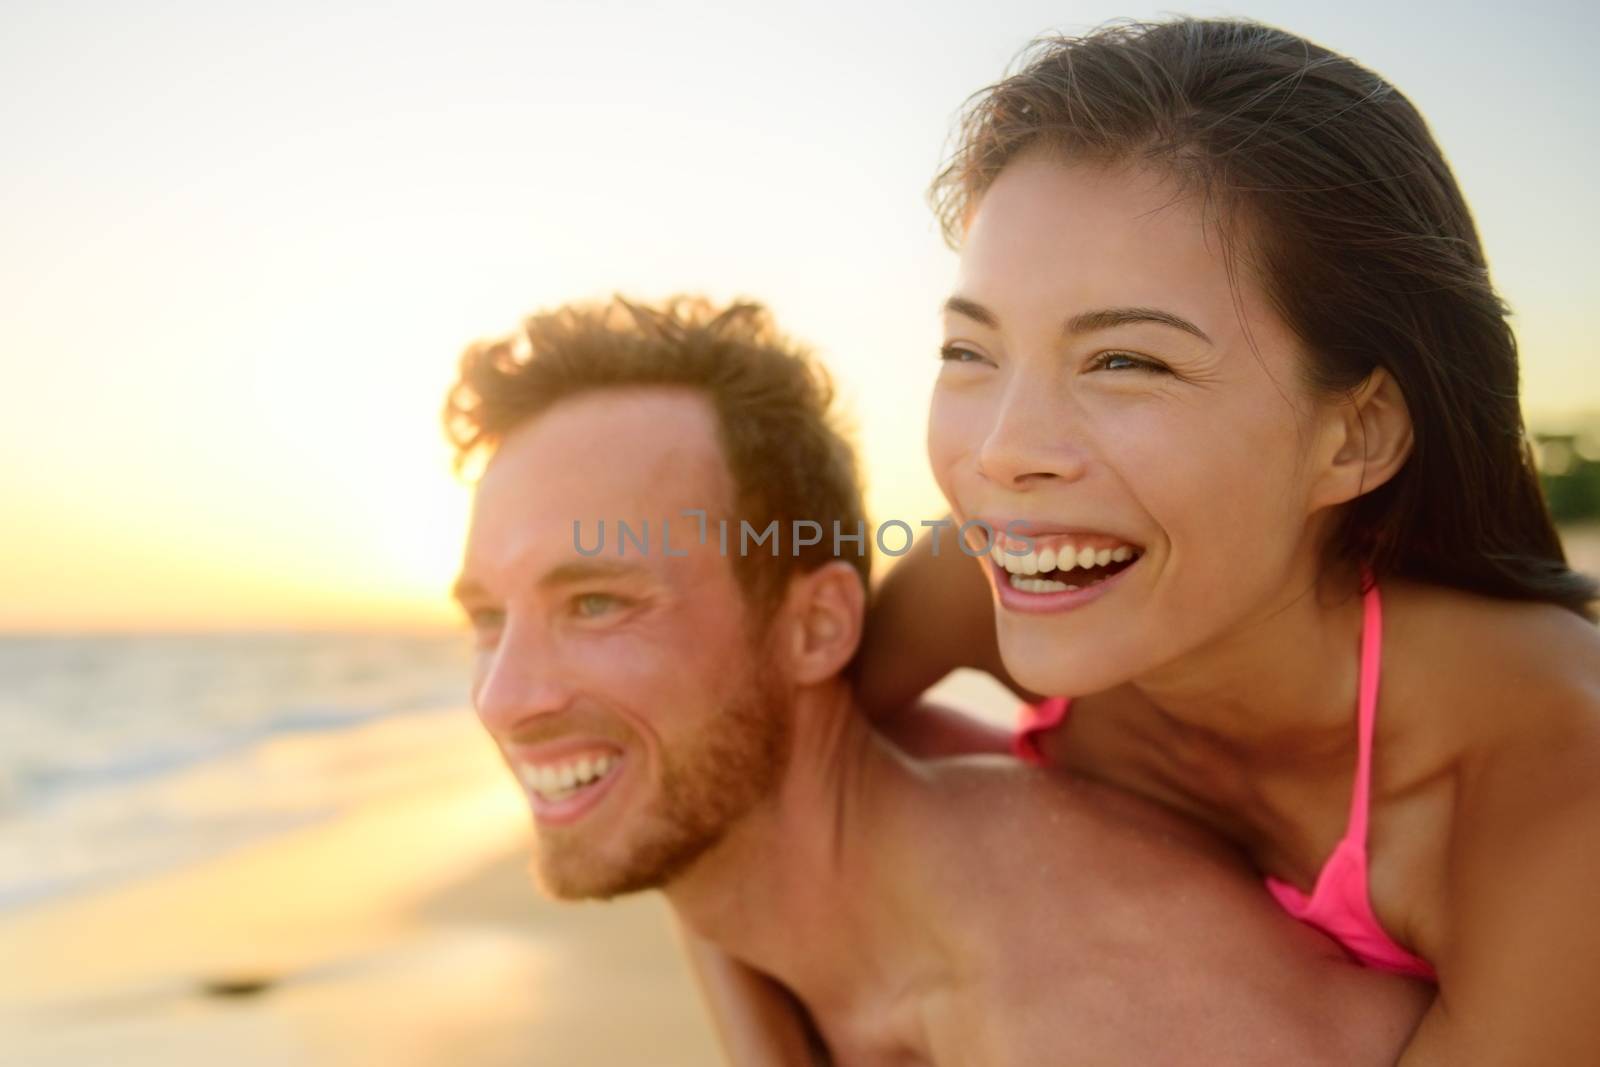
<point x="121" y="756"/>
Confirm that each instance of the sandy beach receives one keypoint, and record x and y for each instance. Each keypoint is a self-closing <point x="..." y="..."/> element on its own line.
<point x="403" y="931"/>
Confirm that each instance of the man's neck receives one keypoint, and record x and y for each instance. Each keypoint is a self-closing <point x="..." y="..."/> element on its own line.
<point x="795" y="889"/>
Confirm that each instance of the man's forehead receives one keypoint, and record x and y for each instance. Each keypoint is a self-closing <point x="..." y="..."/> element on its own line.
<point x="637" y="458"/>
<point x="614" y="450"/>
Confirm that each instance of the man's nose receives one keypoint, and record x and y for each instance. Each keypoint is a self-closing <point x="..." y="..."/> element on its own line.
<point x="1036" y="437"/>
<point x="519" y="681"/>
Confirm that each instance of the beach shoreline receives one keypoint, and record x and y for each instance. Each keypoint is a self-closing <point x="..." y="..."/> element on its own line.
<point x="403" y="930"/>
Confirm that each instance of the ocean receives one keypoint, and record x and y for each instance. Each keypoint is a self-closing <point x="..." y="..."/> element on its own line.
<point x="127" y="754"/>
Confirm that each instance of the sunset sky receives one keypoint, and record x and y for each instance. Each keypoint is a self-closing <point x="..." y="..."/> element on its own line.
<point x="242" y="245"/>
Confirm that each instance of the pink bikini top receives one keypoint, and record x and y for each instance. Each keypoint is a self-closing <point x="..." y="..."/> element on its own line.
<point x="1338" y="904"/>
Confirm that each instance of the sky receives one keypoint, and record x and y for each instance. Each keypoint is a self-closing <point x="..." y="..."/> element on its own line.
<point x="242" y="246"/>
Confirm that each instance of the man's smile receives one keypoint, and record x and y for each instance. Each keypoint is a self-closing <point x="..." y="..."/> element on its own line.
<point x="565" y="781"/>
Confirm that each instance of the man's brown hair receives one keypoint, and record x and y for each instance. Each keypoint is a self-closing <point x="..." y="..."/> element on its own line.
<point x="787" y="454"/>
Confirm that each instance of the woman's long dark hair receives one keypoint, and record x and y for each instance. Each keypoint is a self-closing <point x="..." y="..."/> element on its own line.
<point x="1352" y="220"/>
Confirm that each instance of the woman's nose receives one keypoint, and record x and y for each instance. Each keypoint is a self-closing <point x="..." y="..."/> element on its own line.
<point x="1035" y="438"/>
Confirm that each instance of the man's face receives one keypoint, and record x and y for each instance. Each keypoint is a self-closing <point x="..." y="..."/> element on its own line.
<point x="625" y="691"/>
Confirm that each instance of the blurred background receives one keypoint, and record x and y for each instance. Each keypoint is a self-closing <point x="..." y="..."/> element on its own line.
<point x="242" y="804"/>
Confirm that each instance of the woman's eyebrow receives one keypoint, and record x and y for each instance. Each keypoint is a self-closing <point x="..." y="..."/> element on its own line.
<point x="973" y="310"/>
<point x="1083" y="322"/>
<point x="1105" y="318"/>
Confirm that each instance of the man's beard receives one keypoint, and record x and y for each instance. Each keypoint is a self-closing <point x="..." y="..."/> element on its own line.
<point x="707" y="784"/>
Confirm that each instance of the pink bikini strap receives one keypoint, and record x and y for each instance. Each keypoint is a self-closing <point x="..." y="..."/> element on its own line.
<point x="1367" y="710"/>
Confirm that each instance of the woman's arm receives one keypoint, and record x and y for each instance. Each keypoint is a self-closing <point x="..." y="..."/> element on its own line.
<point x="932" y="613"/>
<point x="1519" y="972"/>
<point x="758" y="1021"/>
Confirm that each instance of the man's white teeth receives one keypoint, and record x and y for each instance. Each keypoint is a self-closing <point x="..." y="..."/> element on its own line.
<point x="1064" y="557"/>
<point x="553" y="781"/>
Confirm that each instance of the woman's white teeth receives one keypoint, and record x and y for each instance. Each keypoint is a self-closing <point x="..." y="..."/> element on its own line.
<point x="553" y="781"/>
<point x="1038" y="585"/>
<point x="1064" y="557"/>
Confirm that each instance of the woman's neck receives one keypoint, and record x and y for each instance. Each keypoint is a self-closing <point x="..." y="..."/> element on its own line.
<point x="1278" y="687"/>
<point x="1253" y="735"/>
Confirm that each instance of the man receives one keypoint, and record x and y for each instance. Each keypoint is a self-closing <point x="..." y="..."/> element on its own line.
<point x="671" y="698"/>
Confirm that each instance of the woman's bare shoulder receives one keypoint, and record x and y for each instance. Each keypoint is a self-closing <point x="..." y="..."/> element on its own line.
<point x="1504" y="672"/>
<point x="1499" y="697"/>
<point x="1498" y="702"/>
<point x="1512" y="692"/>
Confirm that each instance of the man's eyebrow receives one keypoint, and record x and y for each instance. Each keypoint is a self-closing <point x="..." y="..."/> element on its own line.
<point x="589" y="570"/>
<point x="1084" y="322"/>
<point x="469" y="589"/>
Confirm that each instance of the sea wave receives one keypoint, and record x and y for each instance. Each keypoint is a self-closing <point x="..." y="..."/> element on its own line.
<point x="125" y="754"/>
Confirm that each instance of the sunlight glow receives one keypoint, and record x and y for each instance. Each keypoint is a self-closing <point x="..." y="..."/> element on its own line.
<point x="240" y="263"/>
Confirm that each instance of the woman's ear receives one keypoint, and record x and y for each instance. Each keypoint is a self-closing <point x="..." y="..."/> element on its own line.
<point x="823" y="616"/>
<point x="1367" y="440"/>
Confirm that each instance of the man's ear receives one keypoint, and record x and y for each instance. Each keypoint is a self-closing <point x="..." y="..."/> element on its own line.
<point x="822" y="617"/>
<point x="1366" y="440"/>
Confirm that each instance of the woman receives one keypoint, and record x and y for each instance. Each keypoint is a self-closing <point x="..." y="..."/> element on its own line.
<point x="1224" y="353"/>
<point x="1224" y="357"/>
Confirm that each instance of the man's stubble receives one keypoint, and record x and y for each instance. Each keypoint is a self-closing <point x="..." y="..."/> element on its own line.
<point x="711" y="781"/>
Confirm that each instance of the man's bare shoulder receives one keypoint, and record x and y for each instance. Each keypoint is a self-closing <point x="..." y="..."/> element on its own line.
<point x="1004" y="829"/>
<point x="1080" y="913"/>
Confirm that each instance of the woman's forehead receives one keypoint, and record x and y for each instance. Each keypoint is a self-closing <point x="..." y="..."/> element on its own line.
<point x="1066" y="237"/>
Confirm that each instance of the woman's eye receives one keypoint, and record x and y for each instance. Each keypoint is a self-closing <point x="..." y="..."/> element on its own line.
<point x="958" y="354"/>
<point x="1125" y="361"/>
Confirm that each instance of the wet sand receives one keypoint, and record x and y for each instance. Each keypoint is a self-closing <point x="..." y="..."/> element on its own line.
<point x="405" y="931"/>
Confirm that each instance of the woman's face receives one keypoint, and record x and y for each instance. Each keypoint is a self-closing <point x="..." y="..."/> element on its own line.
<point x="1099" y="393"/>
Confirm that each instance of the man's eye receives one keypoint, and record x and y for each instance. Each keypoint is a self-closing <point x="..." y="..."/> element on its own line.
<point x="593" y="605"/>
<point x="1125" y="361"/>
<point x="486" y="619"/>
<point x="486" y="625"/>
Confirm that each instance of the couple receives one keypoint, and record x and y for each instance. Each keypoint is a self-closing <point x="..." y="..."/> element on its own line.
<point x="1221" y="313"/>
<point x="679" y="720"/>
